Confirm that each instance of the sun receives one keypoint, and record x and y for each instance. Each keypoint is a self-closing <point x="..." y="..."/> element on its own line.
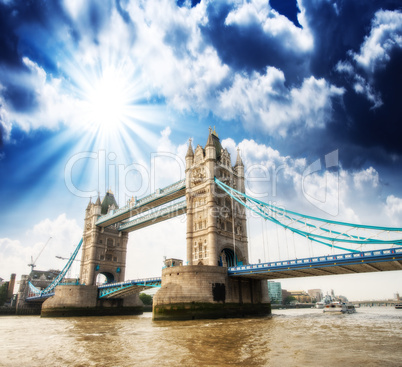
<point x="108" y="99"/>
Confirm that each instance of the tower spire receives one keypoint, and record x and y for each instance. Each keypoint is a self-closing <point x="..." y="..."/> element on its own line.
<point x="239" y="161"/>
<point x="98" y="202"/>
<point x="190" y="152"/>
<point x="210" y="142"/>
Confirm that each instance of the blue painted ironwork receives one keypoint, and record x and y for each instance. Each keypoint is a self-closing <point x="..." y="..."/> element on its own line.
<point x="168" y="190"/>
<point x="117" y="290"/>
<point x="35" y="292"/>
<point x="328" y="236"/>
<point x="365" y="257"/>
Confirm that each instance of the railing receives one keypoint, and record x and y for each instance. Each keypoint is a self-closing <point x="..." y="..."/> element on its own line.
<point x="310" y="262"/>
<point x="111" y="288"/>
<point x="140" y="202"/>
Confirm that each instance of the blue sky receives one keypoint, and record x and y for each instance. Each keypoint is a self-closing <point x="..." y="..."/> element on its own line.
<point x="97" y="95"/>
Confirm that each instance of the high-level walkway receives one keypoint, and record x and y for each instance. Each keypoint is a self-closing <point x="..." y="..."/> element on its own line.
<point x="156" y="199"/>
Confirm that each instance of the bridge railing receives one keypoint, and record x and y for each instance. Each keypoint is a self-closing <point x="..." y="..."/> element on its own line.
<point x="313" y="260"/>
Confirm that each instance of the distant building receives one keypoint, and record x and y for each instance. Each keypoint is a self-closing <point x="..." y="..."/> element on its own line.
<point x="301" y="296"/>
<point x="285" y="294"/>
<point x="39" y="278"/>
<point x="315" y="294"/>
<point x="275" y="292"/>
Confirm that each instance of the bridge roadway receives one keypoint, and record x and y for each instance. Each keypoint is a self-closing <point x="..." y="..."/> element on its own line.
<point x="349" y="263"/>
<point x="156" y="199"/>
<point x="123" y="289"/>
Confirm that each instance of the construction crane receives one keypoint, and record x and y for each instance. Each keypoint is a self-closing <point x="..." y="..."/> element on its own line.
<point x="33" y="263"/>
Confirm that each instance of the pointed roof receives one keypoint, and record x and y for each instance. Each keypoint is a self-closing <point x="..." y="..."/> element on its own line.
<point x="107" y="201"/>
<point x="239" y="161"/>
<point x="190" y="152"/>
<point x="210" y="142"/>
<point x="90" y="203"/>
<point x="98" y="202"/>
<point x="213" y="140"/>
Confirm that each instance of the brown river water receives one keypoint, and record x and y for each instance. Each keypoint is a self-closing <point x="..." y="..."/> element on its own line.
<point x="300" y="337"/>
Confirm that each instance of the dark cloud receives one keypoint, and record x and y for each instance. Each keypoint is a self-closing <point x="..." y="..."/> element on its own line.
<point x="248" y="48"/>
<point x="192" y="3"/>
<point x="22" y="99"/>
<point x="288" y="8"/>
<point x="98" y="16"/>
<point x="20" y="23"/>
<point x="380" y="126"/>
<point x="177" y="37"/>
<point x="9" y="54"/>
<point x="123" y="13"/>
<point x="339" y="26"/>
<point x="363" y="134"/>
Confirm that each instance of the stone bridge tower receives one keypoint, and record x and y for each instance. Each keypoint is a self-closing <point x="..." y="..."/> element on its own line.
<point x="216" y="224"/>
<point x="216" y="239"/>
<point x="104" y="249"/>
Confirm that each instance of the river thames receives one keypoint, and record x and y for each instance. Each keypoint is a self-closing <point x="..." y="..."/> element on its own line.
<point x="298" y="337"/>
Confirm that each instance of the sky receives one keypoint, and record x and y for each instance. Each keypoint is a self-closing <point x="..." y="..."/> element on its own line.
<point x="106" y="95"/>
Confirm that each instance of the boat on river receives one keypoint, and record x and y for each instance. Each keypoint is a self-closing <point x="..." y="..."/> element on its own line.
<point x="398" y="305"/>
<point x="339" y="308"/>
<point x="325" y="301"/>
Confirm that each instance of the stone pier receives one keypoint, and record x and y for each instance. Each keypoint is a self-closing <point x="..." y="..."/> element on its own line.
<point x="82" y="300"/>
<point x="206" y="292"/>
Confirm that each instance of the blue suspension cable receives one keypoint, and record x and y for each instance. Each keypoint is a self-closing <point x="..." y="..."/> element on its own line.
<point x="261" y="209"/>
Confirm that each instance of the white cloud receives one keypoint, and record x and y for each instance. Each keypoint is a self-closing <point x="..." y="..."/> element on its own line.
<point x="173" y="57"/>
<point x="264" y="100"/>
<point x="369" y="177"/>
<point x="393" y="210"/>
<point x="168" y="163"/>
<point x="385" y="35"/>
<point x="15" y="254"/>
<point x="53" y="105"/>
<point x="375" y="52"/>
<point x="259" y="12"/>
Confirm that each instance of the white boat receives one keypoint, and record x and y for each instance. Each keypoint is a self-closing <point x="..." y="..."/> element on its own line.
<point x="325" y="301"/>
<point x="398" y="305"/>
<point x="339" y="308"/>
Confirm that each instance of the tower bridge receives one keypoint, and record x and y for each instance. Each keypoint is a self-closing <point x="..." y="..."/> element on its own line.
<point x="218" y="280"/>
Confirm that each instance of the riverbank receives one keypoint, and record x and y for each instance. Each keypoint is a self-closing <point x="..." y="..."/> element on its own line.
<point x="4" y="310"/>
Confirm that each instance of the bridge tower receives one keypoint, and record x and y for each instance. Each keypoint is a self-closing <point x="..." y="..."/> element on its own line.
<point x="216" y="239"/>
<point x="103" y="252"/>
<point x="104" y="249"/>
<point x="216" y="224"/>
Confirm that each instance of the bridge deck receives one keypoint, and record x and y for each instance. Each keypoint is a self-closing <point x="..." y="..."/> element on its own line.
<point x="158" y="198"/>
<point x="123" y="289"/>
<point x="361" y="262"/>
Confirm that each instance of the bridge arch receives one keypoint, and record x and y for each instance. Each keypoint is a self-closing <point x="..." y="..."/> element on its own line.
<point x="228" y="258"/>
<point x="104" y="277"/>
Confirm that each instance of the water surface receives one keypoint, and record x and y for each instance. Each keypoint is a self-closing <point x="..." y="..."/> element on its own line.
<point x="300" y="337"/>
